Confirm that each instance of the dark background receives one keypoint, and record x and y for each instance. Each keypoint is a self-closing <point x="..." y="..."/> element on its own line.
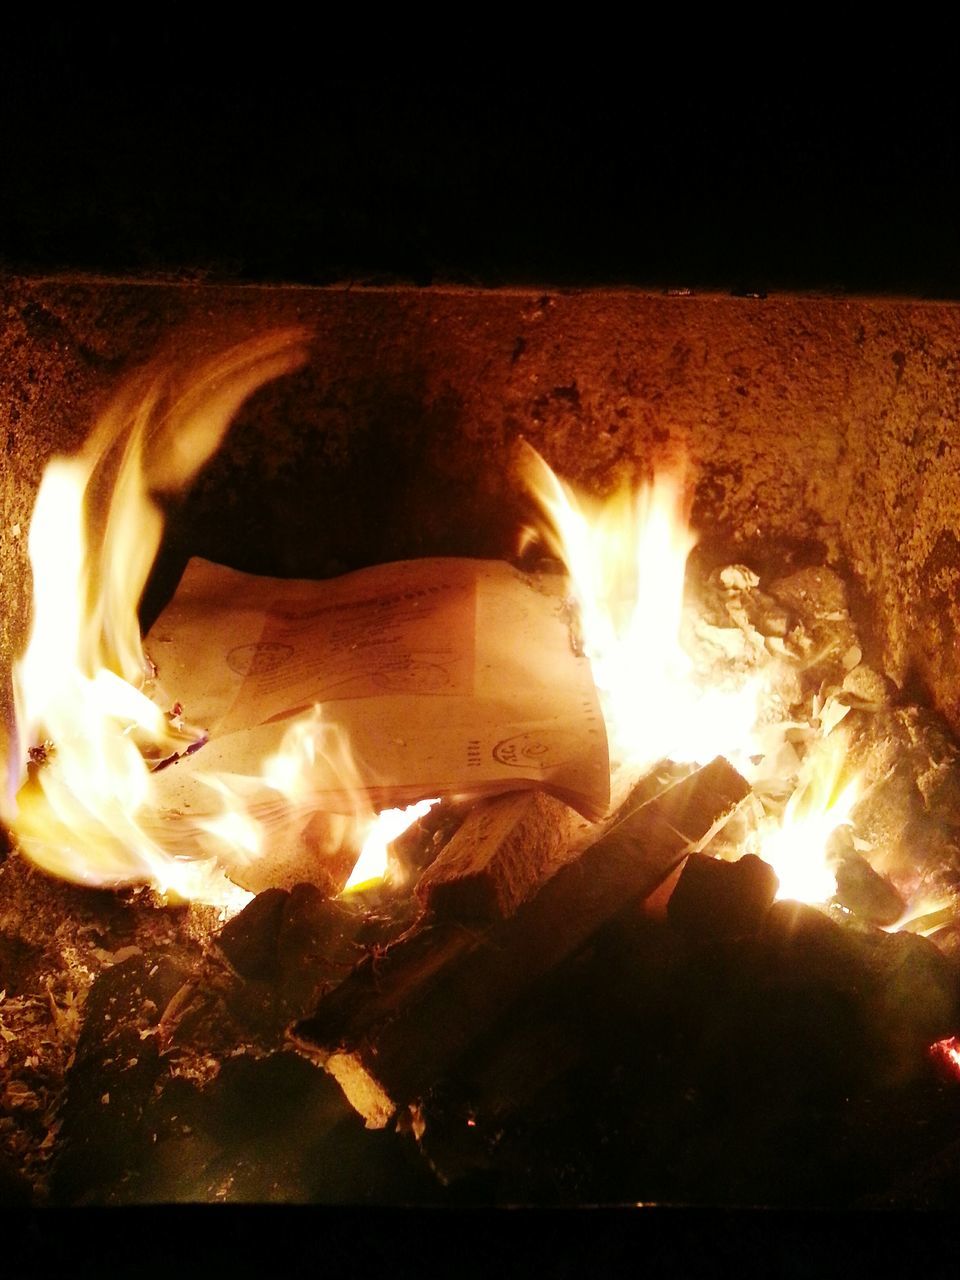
<point x="168" y="152"/>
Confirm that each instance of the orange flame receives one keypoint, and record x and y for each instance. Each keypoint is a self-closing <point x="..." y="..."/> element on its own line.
<point x="822" y="801"/>
<point x="389" y="825"/>
<point x="626" y="557"/>
<point x="85" y="813"/>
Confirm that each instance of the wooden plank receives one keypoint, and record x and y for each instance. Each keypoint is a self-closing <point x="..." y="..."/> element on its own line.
<point x="497" y="859"/>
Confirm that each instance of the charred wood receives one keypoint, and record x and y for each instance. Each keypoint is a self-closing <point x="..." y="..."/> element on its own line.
<point x="249" y="940"/>
<point x="714" y="898"/>
<point x="865" y="892"/>
<point x="391" y="1029"/>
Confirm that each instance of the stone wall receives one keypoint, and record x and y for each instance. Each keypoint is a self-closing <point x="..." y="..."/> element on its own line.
<point x="829" y="421"/>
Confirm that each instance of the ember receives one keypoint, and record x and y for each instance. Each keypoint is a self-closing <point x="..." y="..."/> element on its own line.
<point x="948" y="1052"/>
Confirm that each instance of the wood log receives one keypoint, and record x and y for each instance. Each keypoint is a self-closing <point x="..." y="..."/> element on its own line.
<point x="717" y="899"/>
<point x="392" y="1028"/>
<point x="506" y="846"/>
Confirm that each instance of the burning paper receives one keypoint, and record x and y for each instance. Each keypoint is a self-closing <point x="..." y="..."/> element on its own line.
<point x="423" y="678"/>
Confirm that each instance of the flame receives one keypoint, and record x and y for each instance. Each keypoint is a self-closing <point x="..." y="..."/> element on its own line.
<point x="373" y="863"/>
<point x="316" y="755"/>
<point x="823" y="801"/>
<point x="626" y="557"/>
<point x="84" y="811"/>
<point x="235" y="826"/>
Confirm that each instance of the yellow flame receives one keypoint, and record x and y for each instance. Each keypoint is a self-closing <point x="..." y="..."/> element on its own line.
<point x="823" y="801"/>
<point x="85" y="812"/>
<point x="389" y="825"/>
<point x="626" y="557"/>
<point x="316" y="758"/>
<point x="235" y="827"/>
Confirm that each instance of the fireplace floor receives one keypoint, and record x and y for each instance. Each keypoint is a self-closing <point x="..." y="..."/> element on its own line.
<point x="142" y="1068"/>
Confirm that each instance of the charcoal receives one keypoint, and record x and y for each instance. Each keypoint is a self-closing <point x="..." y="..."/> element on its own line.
<point x="918" y="995"/>
<point x="800" y="941"/>
<point x="132" y="993"/>
<point x="715" y="899"/>
<point x="865" y="892"/>
<point x="269" y="1129"/>
<point x="106" y="1096"/>
<point x="249" y="940"/>
<point x="382" y="925"/>
<point x="780" y="1018"/>
<point x="392" y="1029"/>
<point x="315" y="947"/>
<point x="892" y="994"/>
<point x="15" y="1189"/>
<point x="178" y="1152"/>
<point x="117" y="1064"/>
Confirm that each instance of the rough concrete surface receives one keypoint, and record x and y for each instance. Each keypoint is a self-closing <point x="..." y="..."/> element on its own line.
<point x="823" y="420"/>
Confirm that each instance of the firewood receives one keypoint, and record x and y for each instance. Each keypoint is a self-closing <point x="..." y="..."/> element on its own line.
<point x="722" y="899"/>
<point x="865" y="892"/>
<point x="391" y="1029"/>
<point x="249" y="940"/>
<point x="499" y="856"/>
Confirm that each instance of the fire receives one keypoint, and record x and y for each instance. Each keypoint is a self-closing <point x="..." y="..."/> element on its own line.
<point x="88" y="806"/>
<point x="797" y="847"/>
<point x="315" y="753"/>
<point x="85" y="809"/>
<point x="626" y="557"/>
<point x="389" y="825"/>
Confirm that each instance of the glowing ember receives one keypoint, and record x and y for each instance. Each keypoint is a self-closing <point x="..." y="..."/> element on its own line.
<point x="947" y="1052"/>
<point x="626" y="557"/>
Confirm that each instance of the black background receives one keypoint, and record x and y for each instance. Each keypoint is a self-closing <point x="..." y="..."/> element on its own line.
<point x="172" y="151"/>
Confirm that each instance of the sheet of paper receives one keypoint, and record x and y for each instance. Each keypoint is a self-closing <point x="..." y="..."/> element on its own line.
<point x="440" y="676"/>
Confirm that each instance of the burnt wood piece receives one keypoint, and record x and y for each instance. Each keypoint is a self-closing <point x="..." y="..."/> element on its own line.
<point x="499" y="856"/>
<point x="722" y="899"/>
<point x="249" y="940"/>
<point x="865" y="892"/>
<point x="393" y="1027"/>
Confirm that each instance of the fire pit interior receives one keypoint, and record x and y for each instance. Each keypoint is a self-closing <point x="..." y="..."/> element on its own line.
<point x="536" y="1007"/>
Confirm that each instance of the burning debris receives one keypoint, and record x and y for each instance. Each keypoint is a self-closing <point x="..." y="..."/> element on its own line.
<point x="664" y="848"/>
